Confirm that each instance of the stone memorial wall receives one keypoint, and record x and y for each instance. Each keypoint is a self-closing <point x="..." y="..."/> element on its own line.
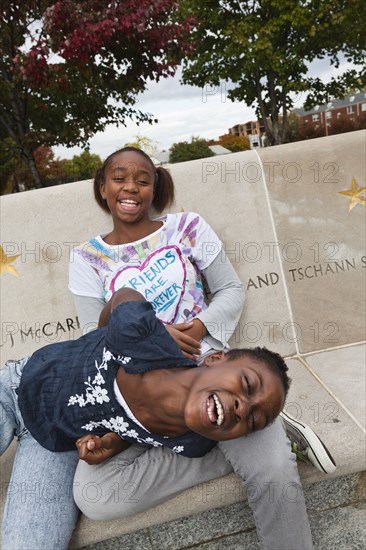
<point x="292" y="221"/>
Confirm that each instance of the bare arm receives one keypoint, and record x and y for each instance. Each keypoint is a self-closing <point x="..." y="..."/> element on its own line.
<point x="122" y="295"/>
<point x="95" y="450"/>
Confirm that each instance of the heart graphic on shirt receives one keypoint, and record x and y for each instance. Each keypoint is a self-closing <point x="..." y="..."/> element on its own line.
<point x="161" y="279"/>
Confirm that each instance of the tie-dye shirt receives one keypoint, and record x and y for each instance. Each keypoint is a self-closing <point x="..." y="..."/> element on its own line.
<point x="164" y="267"/>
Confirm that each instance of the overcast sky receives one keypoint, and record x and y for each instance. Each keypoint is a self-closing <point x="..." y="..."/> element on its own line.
<point x="182" y="112"/>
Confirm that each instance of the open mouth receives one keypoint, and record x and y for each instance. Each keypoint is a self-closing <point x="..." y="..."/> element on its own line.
<point x="128" y="203"/>
<point x="215" y="410"/>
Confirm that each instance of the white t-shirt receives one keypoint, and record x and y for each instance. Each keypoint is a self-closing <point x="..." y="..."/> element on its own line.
<point x="164" y="267"/>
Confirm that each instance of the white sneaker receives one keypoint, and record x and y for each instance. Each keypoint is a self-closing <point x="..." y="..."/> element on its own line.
<point x="307" y="445"/>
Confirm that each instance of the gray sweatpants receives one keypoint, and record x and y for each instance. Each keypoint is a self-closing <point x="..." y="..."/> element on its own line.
<point x="142" y="477"/>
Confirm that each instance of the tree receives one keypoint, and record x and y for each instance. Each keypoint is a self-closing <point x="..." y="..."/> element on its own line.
<point x="15" y="175"/>
<point x="10" y="159"/>
<point x="67" y="69"/>
<point x="234" y="143"/>
<point x="293" y="128"/>
<point x="148" y="145"/>
<point x="339" y="125"/>
<point x="82" y="167"/>
<point x="196" y="149"/>
<point x="263" y="47"/>
<point x="18" y="178"/>
<point x="344" y="124"/>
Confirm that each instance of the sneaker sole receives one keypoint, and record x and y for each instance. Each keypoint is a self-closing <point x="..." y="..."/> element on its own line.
<point x="318" y="453"/>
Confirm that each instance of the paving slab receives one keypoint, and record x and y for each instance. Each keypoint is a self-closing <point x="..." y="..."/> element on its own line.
<point x="336" y="513"/>
<point x="198" y="499"/>
<point x="310" y="401"/>
<point x="342" y="528"/>
<point x="343" y="372"/>
<point x="199" y="529"/>
<point x="139" y="540"/>
<point x="248" y="541"/>
<point x="336" y="492"/>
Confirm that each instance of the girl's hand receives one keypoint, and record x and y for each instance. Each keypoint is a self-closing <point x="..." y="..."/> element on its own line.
<point x="188" y="337"/>
<point x="95" y="450"/>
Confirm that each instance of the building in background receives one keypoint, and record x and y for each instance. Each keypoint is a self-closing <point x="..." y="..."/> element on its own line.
<point x="335" y="117"/>
<point x="253" y="130"/>
<point x="350" y="108"/>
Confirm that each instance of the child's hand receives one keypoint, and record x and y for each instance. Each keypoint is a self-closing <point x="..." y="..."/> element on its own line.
<point x="94" y="449"/>
<point x="186" y="338"/>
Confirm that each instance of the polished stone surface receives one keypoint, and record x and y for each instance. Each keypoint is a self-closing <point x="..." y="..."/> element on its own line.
<point x="230" y="193"/>
<point x="40" y="228"/>
<point x="322" y="242"/>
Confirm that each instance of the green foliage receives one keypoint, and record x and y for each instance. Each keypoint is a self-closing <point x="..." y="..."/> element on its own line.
<point x="67" y="69"/>
<point x="183" y="150"/>
<point x="82" y="167"/>
<point x="263" y="47"/>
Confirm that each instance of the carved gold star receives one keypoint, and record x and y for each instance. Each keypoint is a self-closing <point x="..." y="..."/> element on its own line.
<point x="355" y="195"/>
<point x="5" y="263"/>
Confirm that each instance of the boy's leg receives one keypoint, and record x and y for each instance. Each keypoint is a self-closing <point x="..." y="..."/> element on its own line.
<point x="268" y="468"/>
<point x="138" y="479"/>
<point x="40" y="512"/>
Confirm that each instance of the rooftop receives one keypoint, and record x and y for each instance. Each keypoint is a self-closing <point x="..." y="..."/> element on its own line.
<point x="359" y="97"/>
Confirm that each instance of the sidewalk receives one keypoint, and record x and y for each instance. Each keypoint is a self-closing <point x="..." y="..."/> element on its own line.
<point x="337" y="515"/>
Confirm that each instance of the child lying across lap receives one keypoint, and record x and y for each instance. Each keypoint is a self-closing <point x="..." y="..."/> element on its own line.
<point x="128" y="382"/>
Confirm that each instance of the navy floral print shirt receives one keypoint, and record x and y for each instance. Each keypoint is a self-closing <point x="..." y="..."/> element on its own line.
<point x="67" y="388"/>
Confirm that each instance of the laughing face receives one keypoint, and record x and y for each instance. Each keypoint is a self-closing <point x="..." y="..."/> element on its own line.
<point x="128" y="186"/>
<point x="233" y="398"/>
